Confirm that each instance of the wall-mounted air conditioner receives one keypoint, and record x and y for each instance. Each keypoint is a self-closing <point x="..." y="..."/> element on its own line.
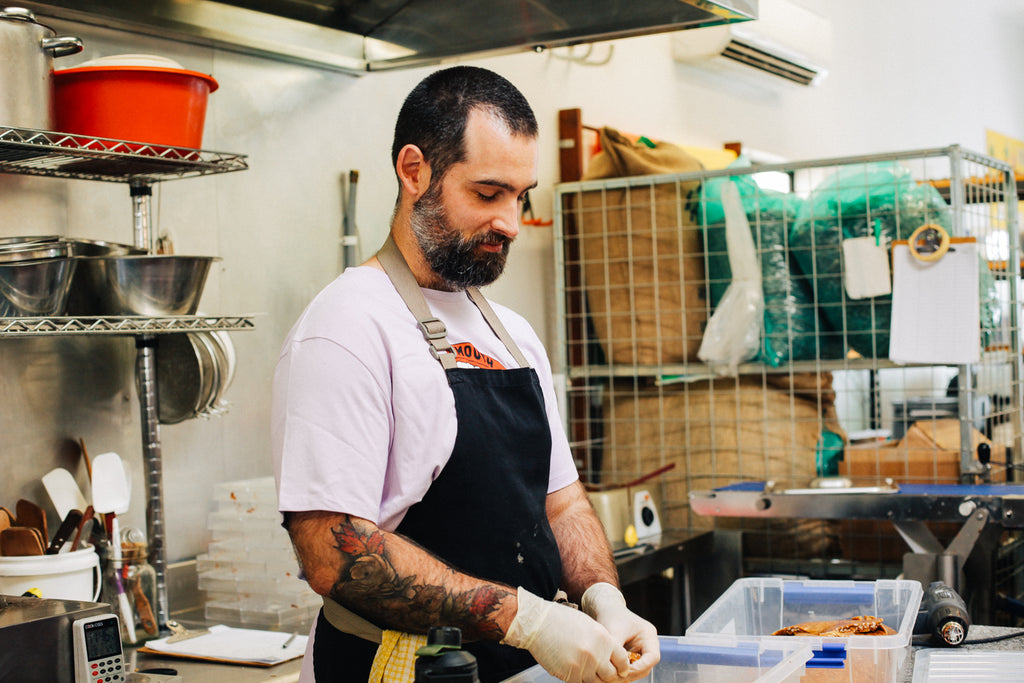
<point x="786" y="40"/>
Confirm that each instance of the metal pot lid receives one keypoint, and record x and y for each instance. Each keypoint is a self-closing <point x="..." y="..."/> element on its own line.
<point x="184" y="376"/>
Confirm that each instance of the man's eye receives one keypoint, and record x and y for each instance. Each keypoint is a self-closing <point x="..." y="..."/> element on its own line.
<point x="486" y="197"/>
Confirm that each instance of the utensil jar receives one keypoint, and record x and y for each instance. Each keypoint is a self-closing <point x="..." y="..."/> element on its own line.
<point x="139" y="580"/>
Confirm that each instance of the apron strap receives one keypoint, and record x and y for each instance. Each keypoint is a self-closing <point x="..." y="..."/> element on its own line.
<point x="347" y="621"/>
<point x="401" y="276"/>
<point x="433" y="329"/>
<point x="492" y="319"/>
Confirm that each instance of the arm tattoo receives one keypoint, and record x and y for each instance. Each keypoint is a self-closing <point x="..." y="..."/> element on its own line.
<point x="370" y="583"/>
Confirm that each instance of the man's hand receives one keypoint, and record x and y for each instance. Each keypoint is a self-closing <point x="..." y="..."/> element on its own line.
<point x="604" y="602"/>
<point x="566" y="642"/>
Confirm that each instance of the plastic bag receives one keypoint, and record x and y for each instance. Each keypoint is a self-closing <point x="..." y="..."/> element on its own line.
<point x="879" y="200"/>
<point x="733" y="333"/>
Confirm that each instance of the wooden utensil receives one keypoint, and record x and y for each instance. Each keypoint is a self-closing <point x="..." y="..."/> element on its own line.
<point x="143" y="608"/>
<point x="21" y="541"/>
<point x="31" y="515"/>
<point x="85" y="456"/>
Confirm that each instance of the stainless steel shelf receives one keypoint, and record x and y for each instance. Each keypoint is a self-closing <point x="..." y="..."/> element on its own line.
<point x="61" y="155"/>
<point x="691" y="372"/>
<point x="121" y="325"/>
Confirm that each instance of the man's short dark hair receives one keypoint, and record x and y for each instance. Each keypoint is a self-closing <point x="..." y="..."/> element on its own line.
<point x="434" y="114"/>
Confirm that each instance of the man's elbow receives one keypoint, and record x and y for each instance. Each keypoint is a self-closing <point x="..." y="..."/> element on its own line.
<point x="321" y="581"/>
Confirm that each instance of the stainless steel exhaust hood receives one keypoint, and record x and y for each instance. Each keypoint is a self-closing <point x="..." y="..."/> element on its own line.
<point x="356" y="36"/>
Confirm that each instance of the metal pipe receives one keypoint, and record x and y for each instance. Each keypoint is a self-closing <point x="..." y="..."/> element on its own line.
<point x="142" y="210"/>
<point x="145" y="365"/>
<point x="350" y="236"/>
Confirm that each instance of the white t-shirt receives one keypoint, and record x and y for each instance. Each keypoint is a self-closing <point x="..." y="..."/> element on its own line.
<point x="363" y="419"/>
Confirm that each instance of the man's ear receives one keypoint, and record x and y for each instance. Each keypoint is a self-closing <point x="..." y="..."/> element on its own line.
<point x="413" y="171"/>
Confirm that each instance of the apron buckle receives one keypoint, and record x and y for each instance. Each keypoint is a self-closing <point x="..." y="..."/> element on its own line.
<point x="432" y="328"/>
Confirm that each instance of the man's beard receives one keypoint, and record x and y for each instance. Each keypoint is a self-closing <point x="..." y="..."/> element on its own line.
<point x="452" y="257"/>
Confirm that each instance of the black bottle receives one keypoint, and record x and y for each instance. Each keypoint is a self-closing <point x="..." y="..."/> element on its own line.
<point x="442" y="659"/>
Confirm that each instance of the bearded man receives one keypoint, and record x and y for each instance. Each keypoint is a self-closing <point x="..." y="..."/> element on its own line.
<point x="422" y="470"/>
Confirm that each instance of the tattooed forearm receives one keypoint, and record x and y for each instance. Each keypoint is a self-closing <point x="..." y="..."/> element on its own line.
<point x="376" y="580"/>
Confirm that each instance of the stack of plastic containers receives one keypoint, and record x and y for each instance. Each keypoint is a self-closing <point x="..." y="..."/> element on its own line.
<point x="249" y="572"/>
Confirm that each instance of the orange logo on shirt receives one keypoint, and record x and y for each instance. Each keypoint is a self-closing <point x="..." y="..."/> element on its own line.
<point x="467" y="354"/>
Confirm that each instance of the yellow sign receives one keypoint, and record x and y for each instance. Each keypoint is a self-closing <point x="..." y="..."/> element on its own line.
<point x="1006" y="149"/>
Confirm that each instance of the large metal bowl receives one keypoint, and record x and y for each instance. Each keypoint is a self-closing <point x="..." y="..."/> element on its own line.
<point x="152" y="285"/>
<point x="35" y="288"/>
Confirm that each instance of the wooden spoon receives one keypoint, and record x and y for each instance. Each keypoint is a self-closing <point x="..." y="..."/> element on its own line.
<point x="144" y="609"/>
<point x="20" y="541"/>
<point x="85" y="456"/>
<point x="31" y="515"/>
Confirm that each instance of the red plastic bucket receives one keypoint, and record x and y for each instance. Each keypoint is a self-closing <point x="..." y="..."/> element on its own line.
<point x="136" y="103"/>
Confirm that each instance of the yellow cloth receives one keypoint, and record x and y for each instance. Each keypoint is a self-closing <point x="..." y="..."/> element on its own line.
<point x="395" y="661"/>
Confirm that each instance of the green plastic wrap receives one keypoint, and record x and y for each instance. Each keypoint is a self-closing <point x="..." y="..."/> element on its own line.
<point x="792" y="328"/>
<point x="878" y="200"/>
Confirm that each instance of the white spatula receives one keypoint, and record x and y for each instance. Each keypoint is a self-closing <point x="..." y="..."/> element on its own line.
<point x="111" y="496"/>
<point x="64" y="491"/>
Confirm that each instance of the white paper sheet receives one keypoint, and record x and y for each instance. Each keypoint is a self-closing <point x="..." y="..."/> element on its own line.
<point x="936" y="314"/>
<point x="236" y="645"/>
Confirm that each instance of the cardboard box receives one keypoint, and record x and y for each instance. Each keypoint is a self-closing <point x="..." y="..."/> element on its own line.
<point x="928" y="454"/>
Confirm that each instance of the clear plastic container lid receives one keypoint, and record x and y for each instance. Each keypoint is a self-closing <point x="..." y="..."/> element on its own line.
<point x="932" y="666"/>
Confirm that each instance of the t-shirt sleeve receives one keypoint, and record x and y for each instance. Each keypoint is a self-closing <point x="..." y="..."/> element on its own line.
<point x="330" y="430"/>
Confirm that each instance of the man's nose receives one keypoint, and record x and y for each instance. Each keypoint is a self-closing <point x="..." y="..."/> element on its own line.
<point x="507" y="220"/>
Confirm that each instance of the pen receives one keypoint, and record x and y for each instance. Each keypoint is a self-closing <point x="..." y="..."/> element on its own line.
<point x="289" y="641"/>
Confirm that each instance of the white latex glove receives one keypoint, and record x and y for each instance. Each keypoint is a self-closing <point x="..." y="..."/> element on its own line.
<point x="605" y="603"/>
<point x="569" y="645"/>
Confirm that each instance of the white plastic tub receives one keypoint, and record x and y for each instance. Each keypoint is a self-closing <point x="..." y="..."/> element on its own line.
<point x="719" y="660"/>
<point x="64" y="576"/>
<point x="752" y="609"/>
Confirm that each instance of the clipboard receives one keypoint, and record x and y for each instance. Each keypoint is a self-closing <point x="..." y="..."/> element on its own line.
<point x="228" y="645"/>
<point x="936" y="309"/>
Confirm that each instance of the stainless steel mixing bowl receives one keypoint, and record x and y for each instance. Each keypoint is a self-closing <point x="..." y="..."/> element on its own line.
<point x="35" y="288"/>
<point x="152" y="285"/>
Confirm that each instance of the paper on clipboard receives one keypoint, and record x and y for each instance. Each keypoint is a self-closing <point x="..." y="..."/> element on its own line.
<point x="936" y="311"/>
<point x="234" y="645"/>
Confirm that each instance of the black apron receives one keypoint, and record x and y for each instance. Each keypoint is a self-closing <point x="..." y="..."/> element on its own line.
<point x="485" y="513"/>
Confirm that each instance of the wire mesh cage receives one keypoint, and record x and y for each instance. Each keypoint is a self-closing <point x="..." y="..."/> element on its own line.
<point x="669" y="363"/>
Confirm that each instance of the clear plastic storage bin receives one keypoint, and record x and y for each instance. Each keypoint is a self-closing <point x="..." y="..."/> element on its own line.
<point x="754" y="608"/>
<point x="720" y="660"/>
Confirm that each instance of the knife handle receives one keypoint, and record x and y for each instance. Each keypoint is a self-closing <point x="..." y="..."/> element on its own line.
<point x="86" y="518"/>
<point x="64" y="531"/>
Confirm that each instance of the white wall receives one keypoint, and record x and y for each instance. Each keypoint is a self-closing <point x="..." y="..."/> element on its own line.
<point x="903" y="75"/>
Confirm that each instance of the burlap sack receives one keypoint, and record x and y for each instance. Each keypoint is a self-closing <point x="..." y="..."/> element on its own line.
<point x="640" y="255"/>
<point x="721" y="432"/>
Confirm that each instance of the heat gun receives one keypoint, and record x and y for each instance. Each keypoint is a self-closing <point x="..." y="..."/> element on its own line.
<point x="943" y="615"/>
